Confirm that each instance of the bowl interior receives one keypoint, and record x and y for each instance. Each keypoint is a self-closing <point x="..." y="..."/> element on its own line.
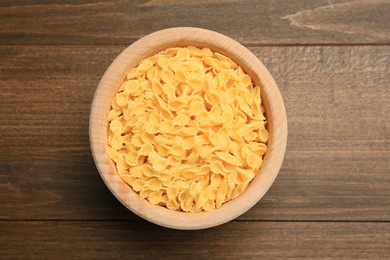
<point x="274" y="110"/>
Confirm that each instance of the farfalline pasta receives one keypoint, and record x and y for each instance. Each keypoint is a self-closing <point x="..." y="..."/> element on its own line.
<point x="187" y="129"/>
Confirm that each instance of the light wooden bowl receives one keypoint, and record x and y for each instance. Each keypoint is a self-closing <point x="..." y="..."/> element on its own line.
<point x="272" y="101"/>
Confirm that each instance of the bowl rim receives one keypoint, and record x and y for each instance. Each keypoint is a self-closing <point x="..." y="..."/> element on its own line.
<point x="275" y="114"/>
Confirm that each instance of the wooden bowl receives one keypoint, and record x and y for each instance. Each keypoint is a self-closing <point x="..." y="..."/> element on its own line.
<point x="272" y="101"/>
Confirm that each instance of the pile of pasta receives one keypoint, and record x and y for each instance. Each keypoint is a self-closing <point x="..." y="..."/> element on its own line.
<point x="187" y="129"/>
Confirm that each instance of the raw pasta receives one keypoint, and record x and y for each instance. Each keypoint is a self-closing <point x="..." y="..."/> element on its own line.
<point x="187" y="129"/>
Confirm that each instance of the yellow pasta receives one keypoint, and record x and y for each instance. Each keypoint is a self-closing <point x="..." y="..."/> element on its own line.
<point x="187" y="129"/>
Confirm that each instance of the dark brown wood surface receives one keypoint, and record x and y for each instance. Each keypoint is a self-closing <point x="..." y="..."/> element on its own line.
<point x="235" y="240"/>
<point x="331" y="61"/>
<point x="248" y="21"/>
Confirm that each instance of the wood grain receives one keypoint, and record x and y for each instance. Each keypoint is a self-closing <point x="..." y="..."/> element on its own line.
<point x="249" y="21"/>
<point x="333" y="92"/>
<point x="329" y="92"/>
<point x="331" y="198"/>
<point x="318" y="181"/>
<point x="337" y="160"/>
<point x="253" y="240"/>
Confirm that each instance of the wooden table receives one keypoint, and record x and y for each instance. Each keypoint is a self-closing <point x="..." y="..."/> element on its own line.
<point x="331" y="60"/>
